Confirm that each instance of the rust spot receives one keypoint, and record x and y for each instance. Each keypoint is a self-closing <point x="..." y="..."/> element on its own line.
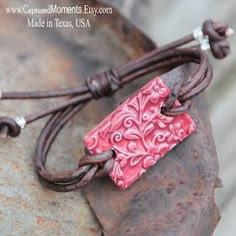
<point x="171" y="187"/>
<point x="190" y="203"/>
<point x="16" y="165"/>
<point x="182" y="219"/>
<point x="40" y="219"/>
<point x="93" y="230"/>
<point x="169" y="190"/>
<point x="179" y="204"/>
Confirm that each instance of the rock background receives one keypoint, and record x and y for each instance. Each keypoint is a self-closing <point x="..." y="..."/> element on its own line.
<point x="166" y="20"/>
<point x="163" y="21"/>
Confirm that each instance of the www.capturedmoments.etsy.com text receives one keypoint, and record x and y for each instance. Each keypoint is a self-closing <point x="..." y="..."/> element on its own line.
<point x="55" y="9"/>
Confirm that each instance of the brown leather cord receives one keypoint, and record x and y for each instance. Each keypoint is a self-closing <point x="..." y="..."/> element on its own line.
<point x="105" y="84"/>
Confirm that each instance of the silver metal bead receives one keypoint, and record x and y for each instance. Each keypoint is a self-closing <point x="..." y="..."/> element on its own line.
<point x="205" y="44"/>
<point x="20" y="121"/>
<point x="203" y="40"/>
<point x="229" y="32"/>
<point x="198" y="34"/>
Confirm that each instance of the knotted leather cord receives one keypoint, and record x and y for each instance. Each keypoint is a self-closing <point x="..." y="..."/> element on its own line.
<point x="105" y="84"/>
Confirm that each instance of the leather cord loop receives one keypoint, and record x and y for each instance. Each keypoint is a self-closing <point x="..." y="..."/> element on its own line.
<point x="216" y="33"/>
<point x="10" y="126"/>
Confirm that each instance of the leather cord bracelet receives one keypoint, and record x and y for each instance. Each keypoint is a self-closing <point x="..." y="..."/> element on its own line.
<point x="212" y="35"/>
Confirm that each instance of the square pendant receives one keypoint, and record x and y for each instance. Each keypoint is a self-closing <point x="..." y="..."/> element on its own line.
<point x="138" y="133"/>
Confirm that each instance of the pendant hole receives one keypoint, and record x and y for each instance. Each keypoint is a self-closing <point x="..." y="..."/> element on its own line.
<point x="163" y="110"/>
<point x="114" y="153"/>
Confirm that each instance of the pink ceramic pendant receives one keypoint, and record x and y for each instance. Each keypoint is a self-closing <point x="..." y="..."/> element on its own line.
<point x="138" y="133"/>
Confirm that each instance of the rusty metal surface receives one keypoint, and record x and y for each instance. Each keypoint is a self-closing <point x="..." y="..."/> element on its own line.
<point x="53" y="58"/>
<point x="176" y="196"/>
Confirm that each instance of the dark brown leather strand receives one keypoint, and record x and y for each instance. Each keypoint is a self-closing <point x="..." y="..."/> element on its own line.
<point x="105" y="84"/>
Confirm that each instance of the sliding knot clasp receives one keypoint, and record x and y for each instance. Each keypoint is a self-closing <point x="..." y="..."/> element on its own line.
<point x="103" y="84"/>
